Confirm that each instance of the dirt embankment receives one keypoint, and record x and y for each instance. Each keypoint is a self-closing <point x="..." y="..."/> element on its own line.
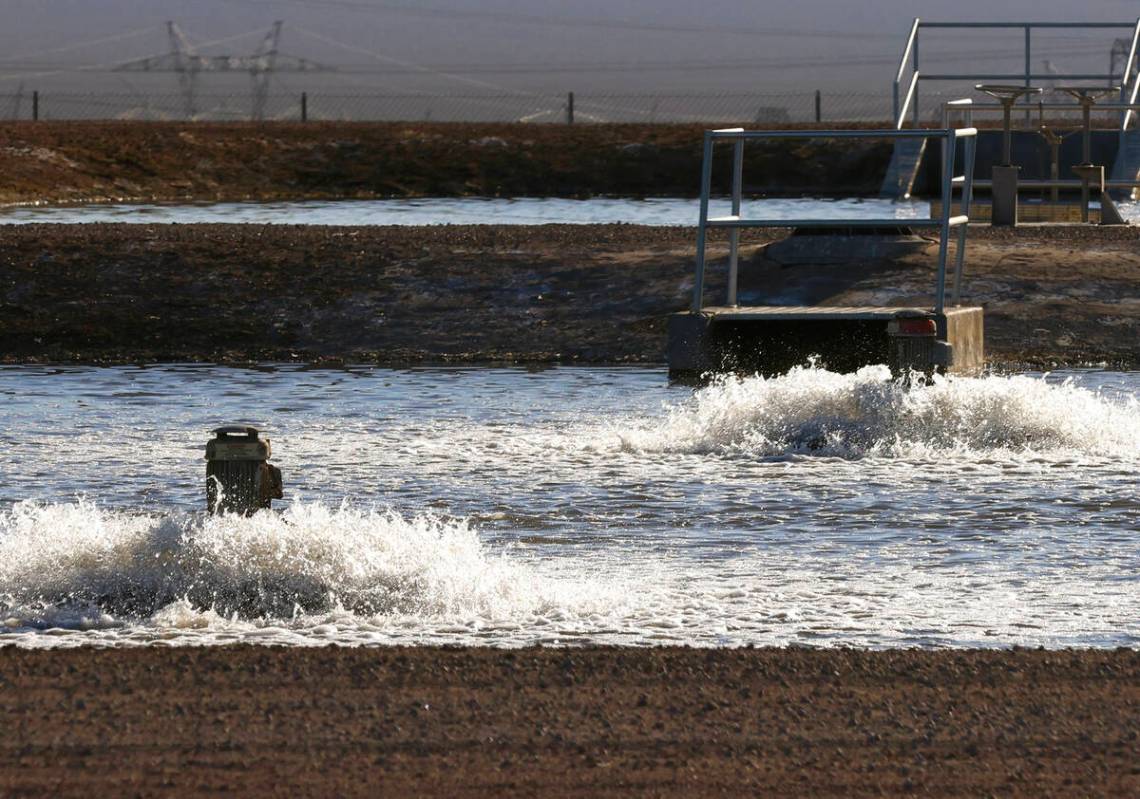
<point x="63" y="162"/>
<point x="593" y="722"/>
<point x="482" y="294"/>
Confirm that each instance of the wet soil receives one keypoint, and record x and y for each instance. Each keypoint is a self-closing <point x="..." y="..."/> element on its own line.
<point x="600" y="294"/>
<point x="62" y="162"/>
<point x="591" y="722"/>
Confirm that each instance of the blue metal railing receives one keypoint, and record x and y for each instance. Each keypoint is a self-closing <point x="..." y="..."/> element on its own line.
<point x="734" y="222"/>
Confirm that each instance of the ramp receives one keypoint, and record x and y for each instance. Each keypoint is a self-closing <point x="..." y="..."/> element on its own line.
<point x="906" y="158"/>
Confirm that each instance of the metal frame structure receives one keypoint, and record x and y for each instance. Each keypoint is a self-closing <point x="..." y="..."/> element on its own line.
<point x="734" y="222"/>
<point x="967" y="108"/>
<point x="907" y="100"/>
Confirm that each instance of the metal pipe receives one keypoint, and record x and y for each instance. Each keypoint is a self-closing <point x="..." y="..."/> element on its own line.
<point x="1030" y="24"/>
<point x="944" y="238"/>
<point x="911" y="92"/>
<point x="706" y="186"/>
<point x="925" y="133"/>
<point x="914" y="90"/>
<point x="1028" y="68"/>
<point x="970" y="146"/>
<point x="734" y="234"/>
<point x="1016" y="76"/>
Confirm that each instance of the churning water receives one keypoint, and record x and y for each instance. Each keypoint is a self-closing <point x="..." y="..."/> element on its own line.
<point x="466" y="211"/>
<point x="509" y="507"/>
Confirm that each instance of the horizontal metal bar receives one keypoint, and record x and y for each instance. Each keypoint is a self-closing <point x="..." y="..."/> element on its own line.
<point x="734" y="222"/>
<point x="1019" y="76"/>
<point x="921" y="133"/>
<point x="955" y="221"/>
<point x="1027" y="24"/>
<point x="1060" y="184"/>
<point x="1057" y="106"/>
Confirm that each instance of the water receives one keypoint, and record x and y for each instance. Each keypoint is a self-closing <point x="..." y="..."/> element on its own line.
<point x="510" y="507"/>
<point x="465" y="211"/>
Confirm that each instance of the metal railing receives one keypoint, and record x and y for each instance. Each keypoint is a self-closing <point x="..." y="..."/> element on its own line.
<point x="904" y="101"/>
<point x="967" y="108"/>
<point x="734" y="222"/>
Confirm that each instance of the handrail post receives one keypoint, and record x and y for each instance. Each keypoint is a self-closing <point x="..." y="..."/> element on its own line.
<point x="702" y="227"/>
<point x="911" y="41"/>
<point x="1125" y="95"/>
<point x="734" y="233"/>
<point x="914" y="66"/>
<point x="970" y="146"/>
<point x="947" y="199"/>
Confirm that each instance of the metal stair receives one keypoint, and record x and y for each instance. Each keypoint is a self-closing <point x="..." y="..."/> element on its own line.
<point x="902" y="171"/>
<point x="1127" y="164"/>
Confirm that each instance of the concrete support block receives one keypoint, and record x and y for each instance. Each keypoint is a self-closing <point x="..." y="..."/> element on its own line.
<point x="964" y="329"/>
<point x="690" y="350"/>
<point x="1004" y="213"/>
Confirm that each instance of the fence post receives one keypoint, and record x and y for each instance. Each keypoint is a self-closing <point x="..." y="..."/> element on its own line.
<point x="304" y="106"/>
<point x="818" y="107"/>
<point x="36" y="105"/>
<point x="570" y="108"/>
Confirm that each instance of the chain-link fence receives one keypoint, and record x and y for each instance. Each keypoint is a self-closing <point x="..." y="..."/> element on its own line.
<point x="769" y="108"/>
<point x="723" y="108"/>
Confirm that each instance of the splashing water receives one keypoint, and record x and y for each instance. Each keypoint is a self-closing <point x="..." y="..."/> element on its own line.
<point x="506" y="507"/>
<point x="78" y="565"/>
<point x="811" y="410"/>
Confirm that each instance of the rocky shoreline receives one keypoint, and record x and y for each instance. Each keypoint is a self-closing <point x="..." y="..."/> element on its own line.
<point x="597" y="294"/>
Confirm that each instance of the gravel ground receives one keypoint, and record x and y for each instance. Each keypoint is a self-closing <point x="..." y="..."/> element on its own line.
<point x="591" y="722"/>
<point x="108" y="293"/>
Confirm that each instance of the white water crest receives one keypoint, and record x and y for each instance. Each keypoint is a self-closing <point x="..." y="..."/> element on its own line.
<point x="811" y="410"/>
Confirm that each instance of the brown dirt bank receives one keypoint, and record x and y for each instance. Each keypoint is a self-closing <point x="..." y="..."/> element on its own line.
<point x="588" y="294"/>
<point x="569" y="722"/>
<point x="61" y="162"/>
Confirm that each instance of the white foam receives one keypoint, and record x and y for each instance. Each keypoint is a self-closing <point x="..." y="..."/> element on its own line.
<point x="78" y="566"/>
<point x="812" y="410"/>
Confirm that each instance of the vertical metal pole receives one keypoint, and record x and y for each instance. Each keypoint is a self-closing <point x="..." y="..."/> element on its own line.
<point x="914" y="62"/>
<point x="1028" y="70"/>
<point x="818" y="107"/>
<point x="1086" y="155"/>
<point x="304" y="106"/>
<point x="36" y="105"/>
<point x="570" y="108"/>
<point x="734" y="233"/>
<point x="706" y="185"/>
<point x="944" y="242"/>
<point x="971" y="145"/>
<point x="1006" y="131"/>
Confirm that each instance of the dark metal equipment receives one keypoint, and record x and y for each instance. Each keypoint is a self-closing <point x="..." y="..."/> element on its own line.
<point x="239" y="478"/>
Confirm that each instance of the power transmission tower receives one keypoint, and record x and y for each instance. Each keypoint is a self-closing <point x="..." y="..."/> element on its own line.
<point x="183" y="60"/>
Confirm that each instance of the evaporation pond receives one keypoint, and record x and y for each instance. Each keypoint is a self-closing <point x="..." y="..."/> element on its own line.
<point x="511" y="507"/>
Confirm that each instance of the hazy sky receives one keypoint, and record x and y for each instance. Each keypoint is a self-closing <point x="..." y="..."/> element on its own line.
<point x="588" y="45"/>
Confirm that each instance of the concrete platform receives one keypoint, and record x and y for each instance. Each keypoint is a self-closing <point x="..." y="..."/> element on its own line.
<point x="772" y="339"/>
